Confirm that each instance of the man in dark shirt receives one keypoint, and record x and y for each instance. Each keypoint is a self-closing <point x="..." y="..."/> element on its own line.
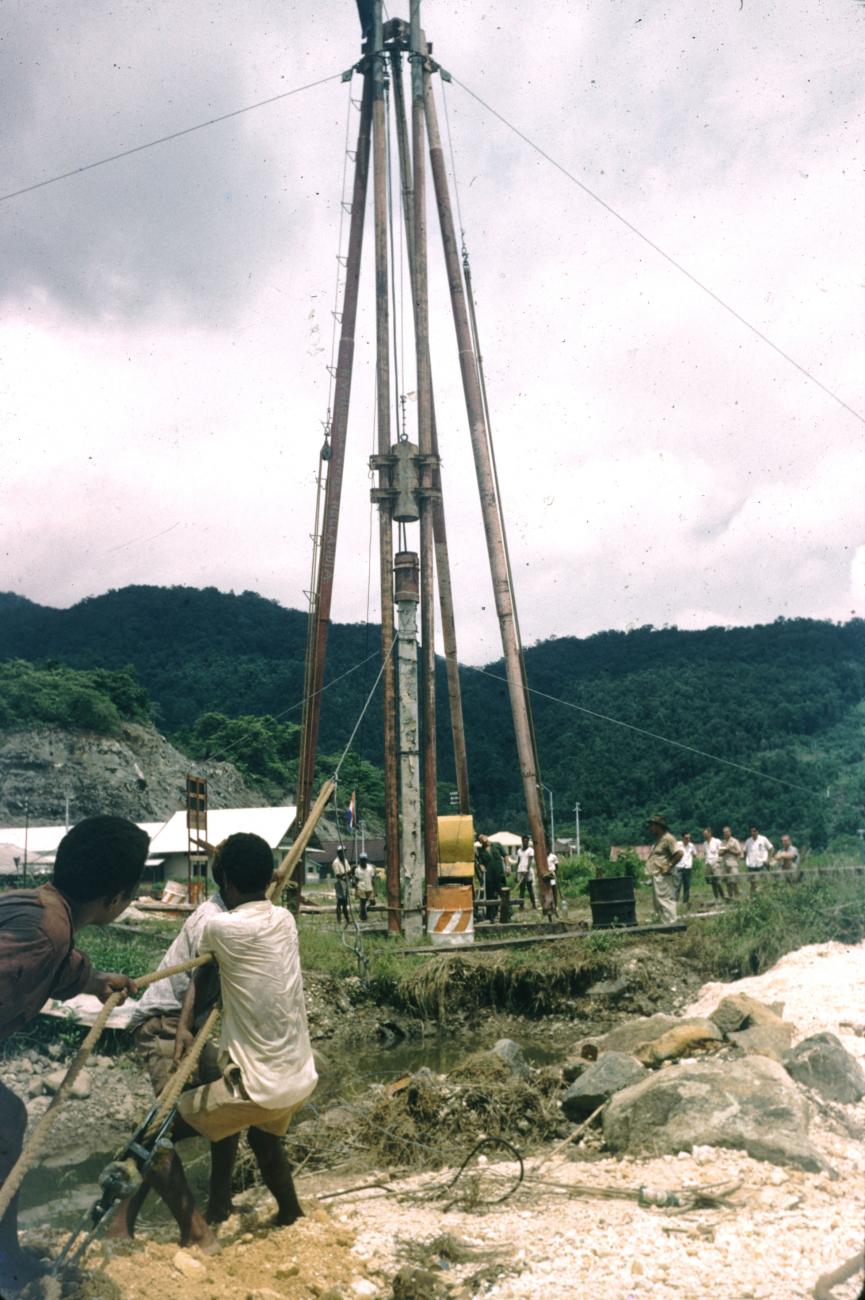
<point x="96" y="871"/>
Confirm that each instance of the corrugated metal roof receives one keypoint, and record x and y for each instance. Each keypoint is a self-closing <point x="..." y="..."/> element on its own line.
<point x="272" y="824"/>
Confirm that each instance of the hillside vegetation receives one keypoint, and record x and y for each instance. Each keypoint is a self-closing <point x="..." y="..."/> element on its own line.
<point x="786" y="700"/>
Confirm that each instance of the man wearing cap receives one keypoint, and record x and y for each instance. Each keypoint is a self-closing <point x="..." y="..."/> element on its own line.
<point x="660" y="868"/>
<point x="364" y="883"/>
<point x="341" y="873"/>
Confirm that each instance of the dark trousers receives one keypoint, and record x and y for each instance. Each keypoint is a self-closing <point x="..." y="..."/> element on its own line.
<point x="526" y="884"/>
<point x="341" y="901"/>
<point x="683" y="885"/>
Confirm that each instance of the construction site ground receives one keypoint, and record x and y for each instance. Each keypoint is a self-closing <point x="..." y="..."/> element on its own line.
<point x="411" y="1239"/>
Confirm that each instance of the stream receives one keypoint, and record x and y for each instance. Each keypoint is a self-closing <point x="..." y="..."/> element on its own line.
<point x="62" y="1188"/>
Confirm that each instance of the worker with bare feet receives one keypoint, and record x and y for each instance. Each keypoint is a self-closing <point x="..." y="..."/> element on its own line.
<point x="96" y="872"/>
<point x="154" y="1024"/>
<point x="265" y="1054"/>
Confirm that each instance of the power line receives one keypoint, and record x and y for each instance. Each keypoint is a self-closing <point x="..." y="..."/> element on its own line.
<point x="660" y="251"/>
<point x="653" y="735"/>
<point x="165" y="139"/>
<point x="219" y="756"/>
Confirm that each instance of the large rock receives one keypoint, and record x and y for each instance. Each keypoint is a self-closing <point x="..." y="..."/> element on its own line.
<point x="627" y="1036"/>
<point x="101" y="774"/>
<point x="771" y="1040"/>
<point x="822" y="1062"/>
<point x="684" y="1038"/>
<point x="512" y="1055"/>
<point x="740" y="1010"/>
<point x="748" y="1103"/>
<point x="600" y="1081"/>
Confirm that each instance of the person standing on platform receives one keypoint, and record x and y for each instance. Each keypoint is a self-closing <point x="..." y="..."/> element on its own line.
<point x="553" y="870"/>
<point x="526" y="872"/>
<point x="364" y="879"/>
<point x="341" y="879"/>
<point x="712" y="849"/>
<point x="684" y="869"/>
<point x="787" y="858"/>
<point x="758" y="850"/>
<point x="491" y="860"/>
<point x="661" y="869"/>
<point x="730" y="855"/>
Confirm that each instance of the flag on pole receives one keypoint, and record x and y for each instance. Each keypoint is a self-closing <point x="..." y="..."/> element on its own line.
<point x="350" y="814"/>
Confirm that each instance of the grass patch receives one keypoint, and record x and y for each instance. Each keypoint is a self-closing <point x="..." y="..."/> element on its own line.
<point x="750" y="937"/>
<point x="129" y="954"/>
<point x="526" y="983"/>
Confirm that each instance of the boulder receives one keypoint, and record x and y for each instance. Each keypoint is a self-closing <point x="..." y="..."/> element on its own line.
<point x="739" y="1011"/>
<point x="512" y="1055"/>
<point x="764" y="1040"/>
<point x="747" y="1103"/>
<point x="190" y="1267"/>
<point x="682" y="1039"/>
<point x="611" y="990"/>
<point x="627" y="1036"/>
<point x="600" y="1081"/>
<point x="823" y="1063"/>
<point x="80" y="1090"/>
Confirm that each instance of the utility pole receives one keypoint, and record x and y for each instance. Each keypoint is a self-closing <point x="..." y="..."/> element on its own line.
<point x="552" y="818"/>
<point x="417" y="58"/>
<point x="490" y="505"/>
<point x="577" y="826"/>
<point x="320" y="612"/>
<point x="385" y="509"/>
<point x="442" y="559"/>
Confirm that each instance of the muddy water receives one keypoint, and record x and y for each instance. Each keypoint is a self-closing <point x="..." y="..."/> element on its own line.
<point x="62" y="1188"/>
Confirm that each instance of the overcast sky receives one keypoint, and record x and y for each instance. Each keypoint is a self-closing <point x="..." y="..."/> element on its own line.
<point x="166" y="321"/>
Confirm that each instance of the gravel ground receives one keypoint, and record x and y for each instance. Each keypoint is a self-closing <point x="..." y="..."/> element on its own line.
<point x="785" y="1229"/>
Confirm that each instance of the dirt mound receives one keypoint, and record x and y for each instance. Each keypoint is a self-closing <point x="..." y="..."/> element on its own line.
<point x="311" y="1258"/>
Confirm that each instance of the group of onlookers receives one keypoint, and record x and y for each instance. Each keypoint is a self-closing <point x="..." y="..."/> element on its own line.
<point x="359" y="876"/>
<point x="724" y="857"/>
<point x="493" y="866"/>
<point x="671" y="862"/>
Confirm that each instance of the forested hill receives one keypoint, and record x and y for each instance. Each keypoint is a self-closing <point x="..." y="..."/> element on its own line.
<point x="787" y="699"/>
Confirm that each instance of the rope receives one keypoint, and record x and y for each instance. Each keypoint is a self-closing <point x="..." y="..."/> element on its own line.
<point x="365" y="707"/>
<point x="653" y="735"/>
<point x="165" y="139"/>
<point x="608" y="207"/>
<point x="175" y="1085"/>
<point x="170" y="1094"/>
<point x="47" y="1121"/>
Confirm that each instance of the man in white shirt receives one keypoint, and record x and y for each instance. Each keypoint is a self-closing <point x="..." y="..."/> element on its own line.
<point x="712" y="850"/>
<point x="265" y="1055"/>
<point x="154" y="1024"/>
<point x="758" y="850"/>
<point x="341" y="875"/>
<point x="553" y="869"/>
<point x="526" y="872"/>
<point x="684" y="867"/>
<point x="364" y="880"/>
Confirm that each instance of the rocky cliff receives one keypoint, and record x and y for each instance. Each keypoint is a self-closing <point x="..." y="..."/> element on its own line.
<point x="135" y="774"/>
